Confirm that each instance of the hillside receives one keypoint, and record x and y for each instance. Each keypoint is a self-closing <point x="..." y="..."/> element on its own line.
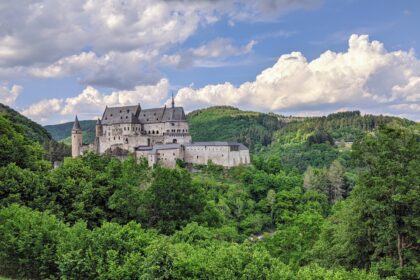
<point x="31" y="129"/>
<point x="318" y="141"/>
<point x="231" y="124"/>
<point x="62" y="131"/>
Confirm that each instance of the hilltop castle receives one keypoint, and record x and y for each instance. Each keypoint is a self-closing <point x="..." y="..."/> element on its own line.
<point x="161" y="135"/>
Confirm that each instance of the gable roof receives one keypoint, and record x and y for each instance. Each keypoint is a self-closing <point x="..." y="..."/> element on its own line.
<point x="123" y="114"/>
<point x="162" y="115"/>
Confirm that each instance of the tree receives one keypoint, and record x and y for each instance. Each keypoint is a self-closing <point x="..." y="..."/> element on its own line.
<point x="335" y="179"/>
<point x="28" y="243"/>
<point x="172" y="200"/>
<point x="388" y="194"/>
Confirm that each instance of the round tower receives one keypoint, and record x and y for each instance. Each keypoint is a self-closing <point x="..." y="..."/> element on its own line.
<point x="76" y="139"/>
<point x="99" y="130"/>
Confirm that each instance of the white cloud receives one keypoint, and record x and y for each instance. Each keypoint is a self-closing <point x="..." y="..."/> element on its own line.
<point x="219" y="49"/>
<point x="47" y="38"/>
<point x="43" y="110"/>
<point x="8" y="95"/>
<point x="366" y="77"/>
<point x="91" y="102"/>
<point x="114" y="69"/>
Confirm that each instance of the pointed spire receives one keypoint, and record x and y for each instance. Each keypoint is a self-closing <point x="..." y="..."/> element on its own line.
<point x="98" y="122"/>
<point x="76" y="124"/>
<point x="173" y="100"/>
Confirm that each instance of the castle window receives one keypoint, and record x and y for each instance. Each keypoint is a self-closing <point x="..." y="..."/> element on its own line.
<point x="114" y="138"/>
<point x="124" y="128"/>
<point x="197" y="157"/>
<point x="144" y="115"/>
<point x="126" y="140"/>
<point x="157" y="131"/>
<point x="111" y="115"/>
<point x="148" y="132"/>
<point x="120" y="111"/>
<point x="128" y="111"/>
<point x="167" y="130"/>
<point x="153" y="132"/>
<point x="126" y="117"/>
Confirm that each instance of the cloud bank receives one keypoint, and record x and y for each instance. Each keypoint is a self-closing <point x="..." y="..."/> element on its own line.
<point x="366" y="77"/>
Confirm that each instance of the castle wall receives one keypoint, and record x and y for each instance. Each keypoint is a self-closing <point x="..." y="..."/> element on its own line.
<point x="221" y="155"/>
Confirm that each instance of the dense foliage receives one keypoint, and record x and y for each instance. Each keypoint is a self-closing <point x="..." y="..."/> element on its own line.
<point x="341" y="213"/>
<point x="20" y="135"/>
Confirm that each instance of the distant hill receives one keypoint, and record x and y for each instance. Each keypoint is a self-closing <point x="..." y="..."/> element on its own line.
<point x="232" y="124"/>
<point x="62" y="132"/>
<point x="30" y="129"/>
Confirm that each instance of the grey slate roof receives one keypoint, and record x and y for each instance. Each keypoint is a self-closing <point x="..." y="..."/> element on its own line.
<point x="123" y="114"/>
<point x="76" y="124"/>
<point x="162" y="115"/>
<point x="134" y="114"/>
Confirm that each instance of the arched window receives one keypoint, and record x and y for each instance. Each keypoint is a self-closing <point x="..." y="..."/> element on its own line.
<point x="174" y="141"/>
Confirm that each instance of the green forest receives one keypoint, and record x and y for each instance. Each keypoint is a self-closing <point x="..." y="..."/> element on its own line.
<point x="334" y="197"/>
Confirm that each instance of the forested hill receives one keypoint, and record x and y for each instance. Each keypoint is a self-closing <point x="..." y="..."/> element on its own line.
<point x="31" y="129"/>
<point x="62" y="132"/>
<point x="229" y="123"/>
<point x="22" y="140"/>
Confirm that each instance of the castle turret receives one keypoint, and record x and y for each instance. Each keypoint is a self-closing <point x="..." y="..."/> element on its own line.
<point x="99" y="130"/>
<point x="99" y="133"/>
<point x="76" y="139"/>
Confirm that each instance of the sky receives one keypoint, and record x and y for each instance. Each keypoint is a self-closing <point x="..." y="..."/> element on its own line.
<point x="291" y="57"/>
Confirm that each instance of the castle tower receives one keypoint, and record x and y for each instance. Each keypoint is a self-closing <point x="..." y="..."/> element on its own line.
<point x="98" y="128"/>
<point x="99" y="133"/>
<point x="76" y="139"/>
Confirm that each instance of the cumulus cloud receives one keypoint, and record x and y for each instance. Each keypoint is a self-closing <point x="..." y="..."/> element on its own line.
<point x="90" y="103"/>
<point x="114" y="69"/>
<point x="8" y="95"/>
<point x="219" y="48"/>
<point x="366" y="77"/>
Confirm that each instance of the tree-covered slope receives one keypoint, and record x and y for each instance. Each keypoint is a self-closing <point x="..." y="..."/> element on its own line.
<point x="62" y="131"/>
<point x="318" y="141"/>
<point x="31" y="129"/>
<point x="232" y="124"/>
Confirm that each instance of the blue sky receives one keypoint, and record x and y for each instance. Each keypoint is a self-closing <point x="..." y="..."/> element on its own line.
<point x="210" y="53"/>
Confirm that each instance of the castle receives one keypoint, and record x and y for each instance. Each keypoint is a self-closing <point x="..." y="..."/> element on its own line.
<point x="161" y="135"/>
